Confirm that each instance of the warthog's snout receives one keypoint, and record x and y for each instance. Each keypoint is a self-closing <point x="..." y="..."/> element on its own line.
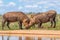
<point x="26" y="23"/>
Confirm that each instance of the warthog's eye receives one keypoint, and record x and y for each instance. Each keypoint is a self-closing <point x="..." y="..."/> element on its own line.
<point x="27" y="21"/>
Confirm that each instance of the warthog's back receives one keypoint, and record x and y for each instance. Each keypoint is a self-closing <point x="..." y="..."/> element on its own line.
<point x="52" y="13"/>
<point x="42" y="18"/>
<point x="14" y="16"/>
<point x="45" y="16"/>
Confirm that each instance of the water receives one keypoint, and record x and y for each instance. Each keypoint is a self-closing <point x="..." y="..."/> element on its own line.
<point x="24" y="38"/>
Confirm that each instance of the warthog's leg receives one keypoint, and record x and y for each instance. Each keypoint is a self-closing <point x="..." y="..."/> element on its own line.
<point x="20" y="25"/>
<point x="8" y="24"/>
<point x="51" y="20"/>
<point x="40" y="25"/>
<point x="3" y="23"/>
<point x="54" y="23"/>
<point x="51" y="23"/>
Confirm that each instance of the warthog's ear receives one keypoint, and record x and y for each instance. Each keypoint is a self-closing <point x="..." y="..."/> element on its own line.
<point x="32" y="16"/>
<point x="27" y="20"/>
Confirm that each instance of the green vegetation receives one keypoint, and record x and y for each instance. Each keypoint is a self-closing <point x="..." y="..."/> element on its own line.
<point x="15" y="26"/>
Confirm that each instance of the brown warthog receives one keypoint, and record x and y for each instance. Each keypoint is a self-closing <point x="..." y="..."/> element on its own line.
<point x="32" y="15"/>
<point x="13" y="17"/>
<point x="43" y="18"/>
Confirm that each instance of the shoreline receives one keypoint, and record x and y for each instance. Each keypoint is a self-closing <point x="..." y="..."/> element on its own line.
<point x="30" y="33"/>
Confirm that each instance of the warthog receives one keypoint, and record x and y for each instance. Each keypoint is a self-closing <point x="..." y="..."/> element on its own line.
<point x="32" y="15"/>
<point x="43" y="18"/>
<point x="13" y="17"/>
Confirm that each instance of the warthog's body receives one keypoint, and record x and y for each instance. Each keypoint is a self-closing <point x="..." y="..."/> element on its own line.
<point x="13" y="17"/>
<point x="43" y="18"/>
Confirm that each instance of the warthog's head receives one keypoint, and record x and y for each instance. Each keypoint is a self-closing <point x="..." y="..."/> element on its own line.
<point x="32" y="16"/>
<point x="30" y="23"/>
<point x="26" y="23"/>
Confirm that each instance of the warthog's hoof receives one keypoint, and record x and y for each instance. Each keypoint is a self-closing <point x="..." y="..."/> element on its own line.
<point x="40" y="27"/>
<point x="49" y="27"/>
<point x="21" y="28"/>
<point x="53" y="27"/>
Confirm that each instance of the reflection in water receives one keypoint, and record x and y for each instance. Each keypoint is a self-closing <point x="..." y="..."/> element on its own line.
<point x="10" y="38"/>
<point x="25" y="38"/>
<point x="20" y="38"/>
<point x="5" y="37"/>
